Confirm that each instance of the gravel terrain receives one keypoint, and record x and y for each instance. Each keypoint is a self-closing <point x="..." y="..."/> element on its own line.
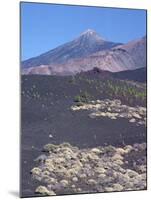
<point x="50" y="116"/>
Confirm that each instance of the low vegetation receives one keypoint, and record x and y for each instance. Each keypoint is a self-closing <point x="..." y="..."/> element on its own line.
<point x="127" y="92"/>
<point x="66" y="169"/>
<point x="130" y="93"/>
<point x="83" y="88"/>
<point x="83" y="97"/>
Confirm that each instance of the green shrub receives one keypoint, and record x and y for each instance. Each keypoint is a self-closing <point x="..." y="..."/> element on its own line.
<point x="84" y="97"/>
<point x="77" y="98"/>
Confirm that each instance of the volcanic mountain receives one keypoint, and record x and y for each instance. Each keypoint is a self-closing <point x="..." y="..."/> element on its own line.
<point x="87" y="43"/>
<point x="84" y="53"/>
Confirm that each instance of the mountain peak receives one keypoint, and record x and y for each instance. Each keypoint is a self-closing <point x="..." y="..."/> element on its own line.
<point x="88" y="31"/>
<point x="87" y="43"/>
<point x="91" y="33"/>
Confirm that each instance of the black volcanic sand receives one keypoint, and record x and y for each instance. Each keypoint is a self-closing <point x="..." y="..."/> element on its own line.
<point x="46" y="103"/>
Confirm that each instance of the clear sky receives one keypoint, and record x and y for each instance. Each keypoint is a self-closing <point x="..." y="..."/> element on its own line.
<point x="45" y="26"/>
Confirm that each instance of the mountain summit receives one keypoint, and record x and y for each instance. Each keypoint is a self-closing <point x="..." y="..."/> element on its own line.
<point x="87" y="43"/>
<point x="89" y="33"/>
<point x="86" y="52"/>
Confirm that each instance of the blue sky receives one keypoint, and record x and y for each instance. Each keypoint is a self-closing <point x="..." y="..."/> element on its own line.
<point x="45" y="26"/>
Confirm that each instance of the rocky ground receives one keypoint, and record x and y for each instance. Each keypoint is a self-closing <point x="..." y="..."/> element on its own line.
<point x="94" y="132"/>
<point x="66" y="169"/>
<point x="113" y="109"/>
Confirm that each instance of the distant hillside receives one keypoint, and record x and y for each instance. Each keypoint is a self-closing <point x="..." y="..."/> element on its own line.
<point x="139" y="75"/>
<point x="84" y="53"/>
<point x="87" y="43"/>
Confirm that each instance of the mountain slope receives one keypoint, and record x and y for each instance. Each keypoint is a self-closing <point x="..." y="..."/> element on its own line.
<point x="120" y="58"/>
<point x="139" y="75"/>
<point x="87" y="43"/>
<point x="137" y="49"/>
<point x="86" y="52"/>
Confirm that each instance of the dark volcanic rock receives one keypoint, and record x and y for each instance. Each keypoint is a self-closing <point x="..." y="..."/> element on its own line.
<point x="139" y="75"/>
<point x="46" y="103"/>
